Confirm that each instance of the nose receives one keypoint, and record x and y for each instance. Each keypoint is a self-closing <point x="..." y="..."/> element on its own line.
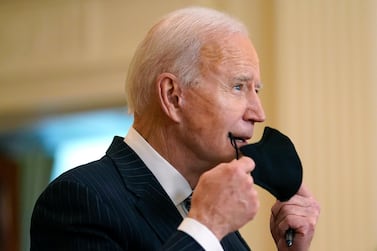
<point x="255" y="111"/>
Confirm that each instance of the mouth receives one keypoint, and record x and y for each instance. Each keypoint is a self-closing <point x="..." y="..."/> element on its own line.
<point x="239" y="140"/>
<point x="236" y="141"/>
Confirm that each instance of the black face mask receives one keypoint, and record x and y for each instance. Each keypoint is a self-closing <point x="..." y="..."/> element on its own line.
<point x="278" y="167"/>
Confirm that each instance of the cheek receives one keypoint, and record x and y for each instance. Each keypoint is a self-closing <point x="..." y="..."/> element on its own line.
<point x="199" y="109"/>
<point x="206" y="132"/>
<point x="205" y="125"/>
<point x="211" y="113"/>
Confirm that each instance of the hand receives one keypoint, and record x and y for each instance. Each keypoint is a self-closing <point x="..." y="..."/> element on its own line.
<point x="300" y="213"/>
<point x="225" y="198"/>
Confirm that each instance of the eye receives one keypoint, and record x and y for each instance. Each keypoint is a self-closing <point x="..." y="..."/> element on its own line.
<point x="258" y="88"/>
<point x="238" y="87"/>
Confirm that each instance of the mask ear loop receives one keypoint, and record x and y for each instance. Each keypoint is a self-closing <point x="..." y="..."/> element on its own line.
<point x="234" y="143"/>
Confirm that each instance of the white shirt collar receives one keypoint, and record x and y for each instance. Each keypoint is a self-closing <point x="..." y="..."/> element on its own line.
<point x="174" y="184"/>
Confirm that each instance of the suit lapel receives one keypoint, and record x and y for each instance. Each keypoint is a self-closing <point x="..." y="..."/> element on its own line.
<point x="153" y="202"/>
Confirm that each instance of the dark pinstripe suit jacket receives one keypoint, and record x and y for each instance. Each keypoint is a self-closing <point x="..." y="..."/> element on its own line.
<point x="114" y="203"/>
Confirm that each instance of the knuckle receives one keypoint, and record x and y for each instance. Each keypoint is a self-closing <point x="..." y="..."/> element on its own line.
<point x="205" y="176"/>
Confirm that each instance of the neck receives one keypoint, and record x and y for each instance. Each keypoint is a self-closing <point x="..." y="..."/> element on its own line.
<point x="162" y="135"/>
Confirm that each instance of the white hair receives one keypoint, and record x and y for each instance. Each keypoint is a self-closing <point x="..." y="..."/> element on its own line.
<point x="173" y="45"/>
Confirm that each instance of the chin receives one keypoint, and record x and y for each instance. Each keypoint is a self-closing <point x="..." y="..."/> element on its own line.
<point x="229" y="157"/>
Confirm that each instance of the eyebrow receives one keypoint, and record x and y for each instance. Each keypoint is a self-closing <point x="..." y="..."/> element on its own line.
<point x="244" y="78"/>
<point x="259" y="85"/>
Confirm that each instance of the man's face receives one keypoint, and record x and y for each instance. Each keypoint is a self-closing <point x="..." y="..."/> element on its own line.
<point x="224" y="100"/>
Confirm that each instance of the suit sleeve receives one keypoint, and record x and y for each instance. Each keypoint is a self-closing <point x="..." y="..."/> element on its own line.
<point x="68" y="216"/>
<point x="182" y="242"/>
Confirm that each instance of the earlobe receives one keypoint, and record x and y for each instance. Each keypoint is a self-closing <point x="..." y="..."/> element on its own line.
<point x="169" y="95"/>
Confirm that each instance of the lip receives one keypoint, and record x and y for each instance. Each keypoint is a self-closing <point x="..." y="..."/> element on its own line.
<point x="240" y="140"/>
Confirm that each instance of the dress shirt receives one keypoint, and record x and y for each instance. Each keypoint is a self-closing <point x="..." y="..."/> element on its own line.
<point x="175" y="185"/>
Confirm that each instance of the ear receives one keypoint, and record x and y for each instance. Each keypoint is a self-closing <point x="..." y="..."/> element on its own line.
<point x="169" y="92"/>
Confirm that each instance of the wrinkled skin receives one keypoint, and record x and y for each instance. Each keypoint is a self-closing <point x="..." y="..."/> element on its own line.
<point x="189" y="127"/>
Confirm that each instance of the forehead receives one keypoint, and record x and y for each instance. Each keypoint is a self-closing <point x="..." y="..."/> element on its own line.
<point x="234" y="54"/>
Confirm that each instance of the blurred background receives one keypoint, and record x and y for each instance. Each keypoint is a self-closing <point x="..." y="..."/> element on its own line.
<point x="62" y="71"/>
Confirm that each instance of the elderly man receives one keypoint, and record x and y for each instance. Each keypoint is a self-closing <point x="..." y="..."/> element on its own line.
<point x="193" y="80"/>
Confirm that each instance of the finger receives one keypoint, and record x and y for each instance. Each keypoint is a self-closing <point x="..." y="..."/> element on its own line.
<point x="304" y="192"/>
<point x="296" y="217"/>
<point x="299" y="206"/>
<point x="290" y="213"/>
<point x="247" y="164"/>
<point x="281" y="210"/>
<point x="302" y="198"/>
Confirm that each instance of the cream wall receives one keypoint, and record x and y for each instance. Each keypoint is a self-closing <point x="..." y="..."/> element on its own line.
<point x="318" y="62"/>
<point x="327" y="86"/>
